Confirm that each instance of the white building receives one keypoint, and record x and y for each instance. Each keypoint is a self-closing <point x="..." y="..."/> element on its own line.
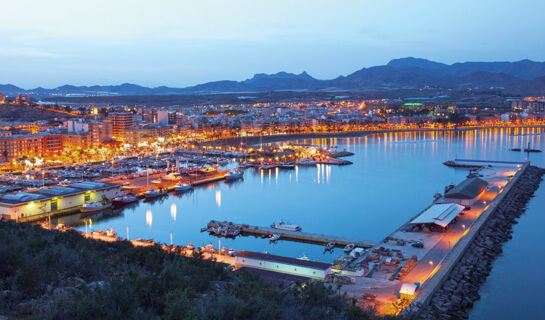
<point x="297" y="267"/>
<point x="54" y="200"/>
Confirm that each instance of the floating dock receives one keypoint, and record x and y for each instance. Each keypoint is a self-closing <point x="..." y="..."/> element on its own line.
<point x="297" y="235"/>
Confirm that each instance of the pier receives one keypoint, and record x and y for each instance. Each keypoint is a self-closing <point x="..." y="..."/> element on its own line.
<point x="298" y="236"/>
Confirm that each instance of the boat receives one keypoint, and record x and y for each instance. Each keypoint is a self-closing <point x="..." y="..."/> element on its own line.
<point x="305" y="162"/>
<point x="182" y="187"/>
<point x="153" y="193"/>
<point x="109" y="235"/>
<point x="234" y="175"/>
<point x="286" y="226"/>
<point x="94" y="206"/>
<point x="287" y="165"/>
<point x="227" y="252"/>
<point x="171" y="177"/>
<point x="143" y="242"/>
<point x="274" y="237"/>
<point x="190" y="246"/>
<point x="209" y="248"/>
<point x="349" y="247"/>
<point x="304" y="257"/>
<point x="329" y="246"/>
<point x="120" y="201"/>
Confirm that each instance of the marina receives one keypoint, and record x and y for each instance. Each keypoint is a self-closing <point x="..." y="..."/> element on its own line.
<point x="293" y="235"/>
<point x="372" y="214"/>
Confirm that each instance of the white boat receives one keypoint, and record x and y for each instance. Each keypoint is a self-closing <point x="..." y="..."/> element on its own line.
<point x="286" y="226"/>
<point x="349" y="247"/>
<point x="305" y="162"/>
<point x="304" y="257"/>
<point x="234" y="175"/>
<point x="153" y="193"/>
<point x="94" y="206"/>
<point x="182" y="187"/>
<point x="274" y="237"/>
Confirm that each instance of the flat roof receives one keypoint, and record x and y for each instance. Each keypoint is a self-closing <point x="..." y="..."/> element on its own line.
<point x="280" y="259"/>
<point x="56" y="191"/>
<point x="439" y="214"/>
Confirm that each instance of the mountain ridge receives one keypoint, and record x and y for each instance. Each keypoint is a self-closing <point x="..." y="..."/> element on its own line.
<point x="523" y="76"/>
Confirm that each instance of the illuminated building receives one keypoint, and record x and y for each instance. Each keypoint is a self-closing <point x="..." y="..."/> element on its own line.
<point x="55" y="199"/>
<point x="121" y="121"/>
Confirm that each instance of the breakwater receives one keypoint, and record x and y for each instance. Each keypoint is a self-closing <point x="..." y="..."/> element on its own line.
<point x="455" y="296"/>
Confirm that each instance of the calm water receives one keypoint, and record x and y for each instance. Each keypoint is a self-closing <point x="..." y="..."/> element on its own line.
<point x="393" y="177"/>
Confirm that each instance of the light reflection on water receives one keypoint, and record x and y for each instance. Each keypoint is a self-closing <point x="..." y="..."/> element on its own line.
<point x="393" y="177"/>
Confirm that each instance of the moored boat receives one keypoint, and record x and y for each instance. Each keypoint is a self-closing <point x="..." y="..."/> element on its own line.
<point x="153" y="193"/>
<point x="182" y="187"/>
<point x="286" y="226"/>
<point x="94" y="206"/>
<point x="119" y="201"/>
<point x="234" y="175"/>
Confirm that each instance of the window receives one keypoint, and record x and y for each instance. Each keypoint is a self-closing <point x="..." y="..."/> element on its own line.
<point x="87" y="197"/>
<point x="53" y="205"/>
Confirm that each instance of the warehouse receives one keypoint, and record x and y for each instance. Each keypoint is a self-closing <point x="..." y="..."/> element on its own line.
<point x="440" y="215"/>
<point x="467" y="191"/>
<point x="303" y="268"/>
<point x="55" y="200"/>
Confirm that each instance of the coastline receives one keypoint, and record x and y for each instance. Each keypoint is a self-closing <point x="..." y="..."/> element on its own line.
<point x="251" y="140"/>
<point x="455" y="288"/>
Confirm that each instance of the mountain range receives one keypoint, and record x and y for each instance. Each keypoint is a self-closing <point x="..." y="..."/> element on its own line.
<point x="520" y="77"/>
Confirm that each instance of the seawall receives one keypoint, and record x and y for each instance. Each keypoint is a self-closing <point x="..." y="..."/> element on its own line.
<point x="450" y="294"/>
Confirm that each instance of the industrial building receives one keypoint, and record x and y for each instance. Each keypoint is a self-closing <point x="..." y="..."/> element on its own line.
<point x="298" y="267"/>
<point x="440" y="215"/>
<point x="467" y="191"/>
<point x="55" y="200"/>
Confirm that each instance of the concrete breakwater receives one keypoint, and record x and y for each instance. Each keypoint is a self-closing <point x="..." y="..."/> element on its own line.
<point x="455" y="297"/>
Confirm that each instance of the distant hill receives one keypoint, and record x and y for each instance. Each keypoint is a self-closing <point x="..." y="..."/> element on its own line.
<point x="523" y="76"/>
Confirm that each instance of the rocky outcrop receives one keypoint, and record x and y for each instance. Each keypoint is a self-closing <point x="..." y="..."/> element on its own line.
<point x="455" y="298"/>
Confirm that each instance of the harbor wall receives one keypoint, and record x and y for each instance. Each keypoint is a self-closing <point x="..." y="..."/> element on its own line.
<point x="450" y="294"/>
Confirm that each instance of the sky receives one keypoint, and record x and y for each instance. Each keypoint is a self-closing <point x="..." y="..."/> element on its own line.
<point x="180" y="43"/>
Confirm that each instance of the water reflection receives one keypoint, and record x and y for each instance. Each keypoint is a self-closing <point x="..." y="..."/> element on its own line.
<point x="173" y="211"/>
<point x="394" y="176"/>
<point x="149" y="217"/>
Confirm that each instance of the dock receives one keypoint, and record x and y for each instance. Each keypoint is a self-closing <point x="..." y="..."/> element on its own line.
<point x="298" y="236"/>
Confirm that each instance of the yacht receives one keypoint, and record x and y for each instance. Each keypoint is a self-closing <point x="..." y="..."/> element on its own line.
<point x="94" y="206"/>
<point x="286" y="226"/>
<point x="153" y="193"/>
<point x="182" y="187"/>
<point x="234" y="175"/>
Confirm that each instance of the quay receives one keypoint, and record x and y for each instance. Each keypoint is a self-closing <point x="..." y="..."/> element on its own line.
<point x="298" y="236"/>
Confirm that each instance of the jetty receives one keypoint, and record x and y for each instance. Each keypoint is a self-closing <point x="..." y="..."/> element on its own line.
<point x="299" y="236"/>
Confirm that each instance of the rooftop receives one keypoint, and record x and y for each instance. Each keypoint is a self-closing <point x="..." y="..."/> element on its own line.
<point x="439" y="214"/>
<point x="280" y="259"/>
<point x="467" y="189"/>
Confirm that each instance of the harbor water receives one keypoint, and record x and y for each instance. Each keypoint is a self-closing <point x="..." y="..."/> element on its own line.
<point x="392" y="178"/>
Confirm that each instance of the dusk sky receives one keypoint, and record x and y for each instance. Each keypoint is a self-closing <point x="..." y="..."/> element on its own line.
<point x="180" y="43"/>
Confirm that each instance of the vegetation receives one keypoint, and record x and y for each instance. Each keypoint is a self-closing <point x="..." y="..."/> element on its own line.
<point x="53" y="275"/>
<point x="11" y="112"/>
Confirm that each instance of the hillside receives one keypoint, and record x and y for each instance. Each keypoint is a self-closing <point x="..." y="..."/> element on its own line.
<point x="10" y="112"/>
<point x="54" y="275"/>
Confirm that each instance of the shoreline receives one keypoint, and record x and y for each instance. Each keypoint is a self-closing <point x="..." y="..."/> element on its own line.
<point x="251" y="140"/>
